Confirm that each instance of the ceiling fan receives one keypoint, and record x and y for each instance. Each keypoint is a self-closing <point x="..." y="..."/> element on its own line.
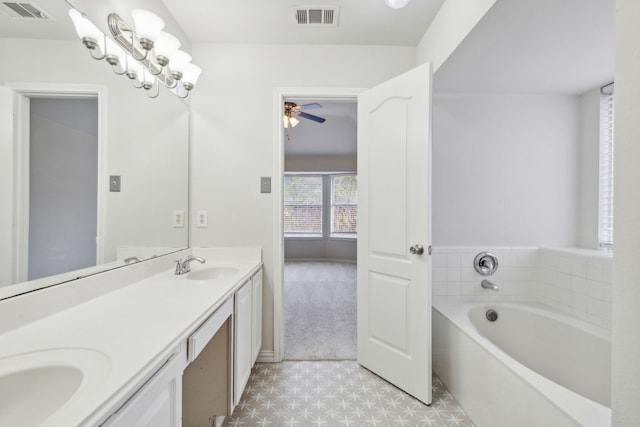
<point x="291" y="109"/>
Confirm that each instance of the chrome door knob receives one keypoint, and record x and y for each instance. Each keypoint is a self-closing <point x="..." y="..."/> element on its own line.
<point x="416" y="250"/>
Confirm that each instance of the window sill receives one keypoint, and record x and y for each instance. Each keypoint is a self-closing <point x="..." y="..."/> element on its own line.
<point x="303" y="237"/>
<point x="343" y="237"/>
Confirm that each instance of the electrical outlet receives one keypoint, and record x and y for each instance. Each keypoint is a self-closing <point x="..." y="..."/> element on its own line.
<point x="178" y="219"/>
<point x="202" y="220"/>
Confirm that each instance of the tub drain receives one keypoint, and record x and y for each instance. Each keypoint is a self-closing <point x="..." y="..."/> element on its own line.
<point x="492" y="315"/>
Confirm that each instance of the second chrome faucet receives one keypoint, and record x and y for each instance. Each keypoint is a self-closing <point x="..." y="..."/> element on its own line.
<point x="183" y="267"/>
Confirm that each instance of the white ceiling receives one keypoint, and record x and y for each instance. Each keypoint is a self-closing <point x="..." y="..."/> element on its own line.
<point x="366" y="22"/>
<point x="539" y="46"/>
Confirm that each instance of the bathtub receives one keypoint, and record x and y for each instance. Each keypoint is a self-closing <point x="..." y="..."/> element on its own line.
<point x="531" y="367"/>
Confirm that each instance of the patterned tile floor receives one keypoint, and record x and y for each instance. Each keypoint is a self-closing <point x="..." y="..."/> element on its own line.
<point x="337" y="393"/>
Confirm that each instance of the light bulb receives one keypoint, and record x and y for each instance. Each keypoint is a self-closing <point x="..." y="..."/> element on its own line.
<point x="165" y="47"/>
<point x="148" y="27"/>
<point x="179" y="63"/>
<point x="115" y="54"/>
<point x="134" y="69"/>
<point x="190" y="75"/>
<point x="90" y="35"/>
<point x="396" y="4"/>
<point x="148" y="80"/>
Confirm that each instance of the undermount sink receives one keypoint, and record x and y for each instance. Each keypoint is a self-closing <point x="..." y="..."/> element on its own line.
<point x="33" y="386"/>
<point x="212" y="273"/>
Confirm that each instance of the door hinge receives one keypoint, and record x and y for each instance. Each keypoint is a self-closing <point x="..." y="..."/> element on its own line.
<point x="429" y="249"/>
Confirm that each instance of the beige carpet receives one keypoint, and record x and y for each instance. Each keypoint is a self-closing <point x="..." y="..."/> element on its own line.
<point x="319" y="311"/>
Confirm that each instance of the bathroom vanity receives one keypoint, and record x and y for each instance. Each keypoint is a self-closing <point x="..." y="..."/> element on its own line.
<point x="139" y="346"/>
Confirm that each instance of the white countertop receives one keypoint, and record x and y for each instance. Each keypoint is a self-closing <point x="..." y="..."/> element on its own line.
<point x="135" y="328"/>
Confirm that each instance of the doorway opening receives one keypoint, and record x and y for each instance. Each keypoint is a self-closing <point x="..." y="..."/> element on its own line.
<point x="62" y="187"/>
<point x="59" y="157"/>
<point x="318" y="234"/>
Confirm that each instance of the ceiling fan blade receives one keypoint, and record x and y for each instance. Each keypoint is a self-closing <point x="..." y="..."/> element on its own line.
<point x="311" y="117"/>
<point x="311" y="106"/>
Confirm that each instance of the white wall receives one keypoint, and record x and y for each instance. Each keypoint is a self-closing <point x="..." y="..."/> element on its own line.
<point x="505" y="170"/>
<point x="588" y="163"/>
<point x="147" y="142"/>
<point x="626" y="268"/>
<point x="233" y="128"/>
<point x="455" y="19"/>
<point x="321" y="163"/>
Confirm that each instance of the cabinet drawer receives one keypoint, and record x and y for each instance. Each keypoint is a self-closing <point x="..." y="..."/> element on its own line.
<point x="199" y="339"/>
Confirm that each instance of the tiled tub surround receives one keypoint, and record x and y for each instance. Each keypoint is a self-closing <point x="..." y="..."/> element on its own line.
<point x="574" y="281"/>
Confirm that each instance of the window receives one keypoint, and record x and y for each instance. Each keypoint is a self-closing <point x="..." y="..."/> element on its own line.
<point x="303" y="205"/>
<point x="310" y="198"/>
<point x="605" y="202"/>
<point x="344" y="205"/>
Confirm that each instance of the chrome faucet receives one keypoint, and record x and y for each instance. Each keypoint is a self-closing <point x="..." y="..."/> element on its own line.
<point x="486" y="284"/>
<point x="133" y="259"/>
<point x="183" y="267"/>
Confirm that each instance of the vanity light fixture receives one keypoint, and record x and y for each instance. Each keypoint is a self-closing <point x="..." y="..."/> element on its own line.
<point x="146" y="55"/>
<point x="396" y="4"/>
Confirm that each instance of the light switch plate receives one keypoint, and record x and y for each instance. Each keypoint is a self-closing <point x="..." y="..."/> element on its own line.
<point x="178" y="219"/>
<point x="265" y="184"/>
<point x="202" y="220"/>
<point x="114" y="183"/>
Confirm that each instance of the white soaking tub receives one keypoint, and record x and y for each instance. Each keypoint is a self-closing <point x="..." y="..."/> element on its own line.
<point x="531" y="367"/>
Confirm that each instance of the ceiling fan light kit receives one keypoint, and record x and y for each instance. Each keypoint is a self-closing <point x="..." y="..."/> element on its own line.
<point x="291" y="109"/>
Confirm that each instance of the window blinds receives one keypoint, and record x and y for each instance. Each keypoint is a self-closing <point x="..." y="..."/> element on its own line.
<point x="303" y="204"/>
<point x="605" y="214"/>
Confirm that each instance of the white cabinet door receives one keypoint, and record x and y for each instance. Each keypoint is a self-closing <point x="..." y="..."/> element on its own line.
<point x="256" y="329"/>
<point x="242" y="335"/>
<point x="157" y="404"/>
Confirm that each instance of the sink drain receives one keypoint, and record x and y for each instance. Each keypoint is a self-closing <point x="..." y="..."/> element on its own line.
<point x="492" y="315"/>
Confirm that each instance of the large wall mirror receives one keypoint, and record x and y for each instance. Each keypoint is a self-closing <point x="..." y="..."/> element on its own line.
<point x="67" y="124"/>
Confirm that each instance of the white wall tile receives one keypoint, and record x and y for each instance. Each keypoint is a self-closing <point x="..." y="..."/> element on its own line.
<point x="577" y="282"/>
<point x="578" y="285"/>
<point x="564" y="264"/>
<point x="453" y="260"/>
<point x="595" y="289"/>
<point x="595" y="271"/>
<point x="578" y="266"/>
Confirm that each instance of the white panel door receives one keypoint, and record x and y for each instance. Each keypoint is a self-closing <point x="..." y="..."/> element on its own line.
<point x="394" y="284"/>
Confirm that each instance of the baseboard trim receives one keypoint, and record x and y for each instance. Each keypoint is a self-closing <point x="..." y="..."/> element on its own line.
<point x="347" y="261"/>
<point x="266" y="356"/>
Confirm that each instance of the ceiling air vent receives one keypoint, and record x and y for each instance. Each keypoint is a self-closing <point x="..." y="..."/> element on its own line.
<point x="23" y="10"/>
<point x="316" y="16"/>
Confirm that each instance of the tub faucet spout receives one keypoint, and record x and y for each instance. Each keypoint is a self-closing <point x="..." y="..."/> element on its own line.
<point x="486" y="284"/>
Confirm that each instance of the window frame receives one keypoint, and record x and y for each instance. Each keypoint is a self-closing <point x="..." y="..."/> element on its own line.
<point x="333" y="234"/>
<point x="327" y="199"/>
